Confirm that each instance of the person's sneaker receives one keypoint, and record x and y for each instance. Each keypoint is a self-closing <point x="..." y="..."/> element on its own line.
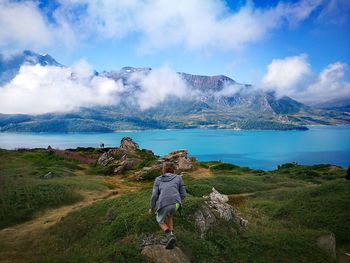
<point x="164" y="240"/>
<point x="171" y="242"/>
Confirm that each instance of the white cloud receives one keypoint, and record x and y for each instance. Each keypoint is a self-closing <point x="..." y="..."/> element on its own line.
<point x="158" y="85"/>
<point x="37" y="89"/>
<point x="24" y="26"/>
<point x="331" y="84"/>
<point x="229" y="90"/>
<point x="293" y="77"/>
<point x="287" y="75"/>
<point x="22" y="23"/>
<point x="43" y="89"/>
<point x="157" y="24"/>
<point x="194" y="24"/>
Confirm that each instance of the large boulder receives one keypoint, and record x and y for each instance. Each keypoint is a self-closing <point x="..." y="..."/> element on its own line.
<point x="158" y="254"/>
<point x="179" y="158"/>
<point x="216" y="208"/>
<point x="128" y="145"/>
<point x="126" y="157"/>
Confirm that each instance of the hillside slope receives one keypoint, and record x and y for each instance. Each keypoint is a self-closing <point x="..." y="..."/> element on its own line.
<point x="287" y="210"/>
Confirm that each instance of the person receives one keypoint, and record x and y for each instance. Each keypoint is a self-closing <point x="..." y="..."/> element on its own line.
<point x="168" y="194"/>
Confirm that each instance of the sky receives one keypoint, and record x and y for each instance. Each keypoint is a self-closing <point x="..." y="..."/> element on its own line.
<point x="296" y="48"/>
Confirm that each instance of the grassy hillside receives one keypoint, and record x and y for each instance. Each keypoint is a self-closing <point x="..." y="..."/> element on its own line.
<point x="287" y="210"/>
<point x="23" y="191"/>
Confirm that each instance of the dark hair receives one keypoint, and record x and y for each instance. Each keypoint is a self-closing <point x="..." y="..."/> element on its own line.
<point x="168" y="167"/>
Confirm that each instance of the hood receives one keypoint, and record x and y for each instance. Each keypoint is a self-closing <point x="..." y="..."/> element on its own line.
<point x="167" y="177"/>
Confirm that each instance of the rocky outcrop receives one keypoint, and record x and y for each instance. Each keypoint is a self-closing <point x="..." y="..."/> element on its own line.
<point x="128" y="156"/>
<point x="179" y="157"/>
<point x="216" y="208"/>
<point x="158" y="254"/>
<point x="128" y="145"/>
<point x="328" y="244"/>
<point x="125" y="157"/>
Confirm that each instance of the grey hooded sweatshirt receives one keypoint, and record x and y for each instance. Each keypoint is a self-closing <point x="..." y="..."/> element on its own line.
<point x="168" y="189"/>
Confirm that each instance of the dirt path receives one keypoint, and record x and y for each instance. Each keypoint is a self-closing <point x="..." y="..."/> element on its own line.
<point x="14" y="240"/>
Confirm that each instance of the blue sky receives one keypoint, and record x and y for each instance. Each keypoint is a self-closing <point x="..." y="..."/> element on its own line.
<point x="321" y="34"/>
<point x="298" y="48"/>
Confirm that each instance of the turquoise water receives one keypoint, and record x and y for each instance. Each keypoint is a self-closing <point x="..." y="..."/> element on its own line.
<point x="255" y="149"/>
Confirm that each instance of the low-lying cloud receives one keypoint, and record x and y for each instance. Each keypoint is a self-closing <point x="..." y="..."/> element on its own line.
<point x="158" y="85"/>
<point x="38" y="89"/>
<point x="293" y="77"/>
<point x="42" y="89"/>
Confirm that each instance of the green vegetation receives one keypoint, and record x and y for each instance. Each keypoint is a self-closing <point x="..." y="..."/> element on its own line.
<point x="24" y="191"/>
<point x="287" y="210"/>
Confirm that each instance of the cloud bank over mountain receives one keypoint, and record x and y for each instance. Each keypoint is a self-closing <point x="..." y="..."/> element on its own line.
<point x="294" y="77"/>
<point x="40" y="89"/>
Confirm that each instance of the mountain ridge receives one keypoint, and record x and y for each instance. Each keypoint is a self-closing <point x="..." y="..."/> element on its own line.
<point x="219" y="102"/>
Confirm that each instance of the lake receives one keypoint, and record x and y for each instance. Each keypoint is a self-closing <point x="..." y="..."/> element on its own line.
<point x="255" y="149"/>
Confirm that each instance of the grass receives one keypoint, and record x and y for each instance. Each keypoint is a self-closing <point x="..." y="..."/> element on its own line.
<point x="109" y="231"/>
<point x="23" y="192"/>
<point x="325" y="207"/>
<point x="287" y="210"/>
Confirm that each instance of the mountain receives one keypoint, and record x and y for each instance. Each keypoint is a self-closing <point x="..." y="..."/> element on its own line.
<point x="342" y="105"/>
<point x="216" y="102"/>
<point x="10" y="65"/>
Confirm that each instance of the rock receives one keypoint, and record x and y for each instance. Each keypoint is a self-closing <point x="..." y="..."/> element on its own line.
<point x="179" y="158"/>
<point x="150" y="239"/>
<point x="122" y="158"/>
<point x="48" y="175"/>
<point x="128" y="144"/>
<point x="128" y="156"/>
<point x="158" y="254"/>
<point x="215" y="208"/>
<point x="328" y="244"/>
<point x="204" y="220"/>
<point x="218" y="203"/>
<point x="105" y="159"/>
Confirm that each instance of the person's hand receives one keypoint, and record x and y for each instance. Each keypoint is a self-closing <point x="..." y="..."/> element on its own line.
<point x="150" y="211"/>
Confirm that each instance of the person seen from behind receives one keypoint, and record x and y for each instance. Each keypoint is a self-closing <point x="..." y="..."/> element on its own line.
<point x="168" y="194"/>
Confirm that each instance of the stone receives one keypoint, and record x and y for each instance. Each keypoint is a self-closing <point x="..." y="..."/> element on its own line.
<point x="158" y="254"/>
<point x="179" y="158"/>
<point x="128" y="144"/>
<point x="215" y="207"/>
<point x="328" y="244"/>
<point x="48" y="175"/>
<point x="105" y="159"/>
<point x="204" y="220"/>
<point x="218" y="203"/>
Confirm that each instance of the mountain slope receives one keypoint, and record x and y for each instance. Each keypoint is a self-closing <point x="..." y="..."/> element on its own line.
<point x="212" y="101"/>
<point x="9" y="66"/>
